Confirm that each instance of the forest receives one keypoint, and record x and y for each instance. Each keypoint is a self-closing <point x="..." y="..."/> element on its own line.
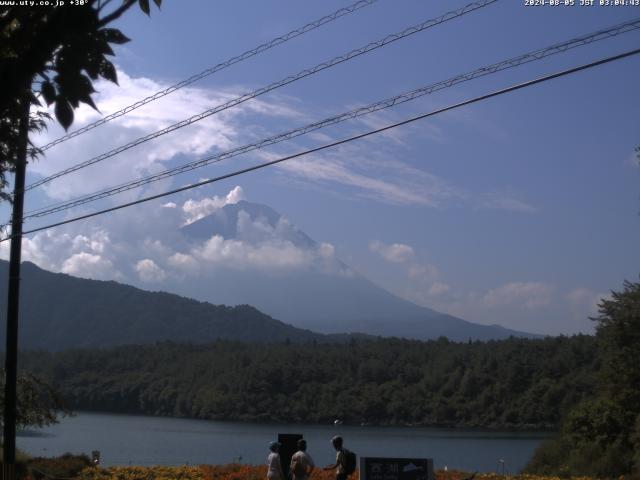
<point x="514" y="383"/>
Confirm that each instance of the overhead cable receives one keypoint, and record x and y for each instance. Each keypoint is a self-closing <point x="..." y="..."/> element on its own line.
<point x="339" y="142"/>
<point x="261" y="91"/>
<point x="373" y="107"/>
<point x="220" y="66"/>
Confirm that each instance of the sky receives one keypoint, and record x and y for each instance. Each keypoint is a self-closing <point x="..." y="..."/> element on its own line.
<point x="522" y="210"/>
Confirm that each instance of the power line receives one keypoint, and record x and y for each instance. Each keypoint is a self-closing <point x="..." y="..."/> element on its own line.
<point x="340" y="142"/>
<point x="293" y="78"/>
<point x="220" y="66"/>
<point x="377" y="106"/>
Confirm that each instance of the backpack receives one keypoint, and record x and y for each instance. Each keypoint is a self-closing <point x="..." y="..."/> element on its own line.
<point x="350" y="461"/>
<point x="298" y="469"/>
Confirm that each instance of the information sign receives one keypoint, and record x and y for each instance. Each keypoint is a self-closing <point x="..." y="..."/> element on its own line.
<point x="378" y="468"/>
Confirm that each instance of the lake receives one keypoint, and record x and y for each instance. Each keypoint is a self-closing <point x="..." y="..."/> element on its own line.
<point x="142" y="440"/>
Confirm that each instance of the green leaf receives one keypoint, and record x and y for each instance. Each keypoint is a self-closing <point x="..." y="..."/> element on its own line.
<point x="48" y="92"/>
<point x="92" y="66"/>
<point x="158" y="3"/>
<point x="113" y="35"/>
<point x="83" y="85"/>
<point x="84" y="93"/>
<point x="64" y="113"/>
<point x="34" y="99"/>
<point x="105" y="49"/>
<point x="144" y="6"/>
<point x="89" y="101"/>
<point x="108" y="71"/>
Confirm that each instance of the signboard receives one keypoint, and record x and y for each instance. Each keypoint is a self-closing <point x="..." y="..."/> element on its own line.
<point x="377" y="468"/>
<point x="288" y="446"/>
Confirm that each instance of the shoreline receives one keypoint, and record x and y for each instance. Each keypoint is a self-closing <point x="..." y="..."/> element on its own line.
<point x="507" y="428"/>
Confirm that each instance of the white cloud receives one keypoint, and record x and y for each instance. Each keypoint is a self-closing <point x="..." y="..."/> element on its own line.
<point x="371" y="173"/>
<point x="438" y="289"/>
<point x="389" y="183"/>
<point x="152" y="233"/>
<point x="221" y="131"/>
<point x="89" y="265"/>
<point x="530" y="295"/>
<point x="395" y="253"/>
<point x="504" y="201"/>
<point x="183" y="262"/>
<point x="326" y="250"/>
<point x="149" y="271"/>
<point x="241" y="255"/>
<point x="583" y="302"/>
<point x="423" y="271"/>
<point x="197" y="209"/>
<point x="378" y="175"/>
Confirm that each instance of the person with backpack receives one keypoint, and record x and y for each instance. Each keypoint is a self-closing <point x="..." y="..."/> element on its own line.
<point x="301" y="463"/>
<point x="274" y="468"/>
<point x="345" y="460"/>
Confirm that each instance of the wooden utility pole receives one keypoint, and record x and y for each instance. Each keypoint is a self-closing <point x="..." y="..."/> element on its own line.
<point x="11" y="352"/>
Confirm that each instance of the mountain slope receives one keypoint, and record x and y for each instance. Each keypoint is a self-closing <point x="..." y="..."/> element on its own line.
<point x="328" y="299"/>
<point x="59" y="311"/>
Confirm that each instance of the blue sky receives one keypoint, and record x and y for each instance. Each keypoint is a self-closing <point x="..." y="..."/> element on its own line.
<point x="521" y="210"/>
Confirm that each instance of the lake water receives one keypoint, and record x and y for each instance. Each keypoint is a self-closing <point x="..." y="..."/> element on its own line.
<point x="141" y="440"/>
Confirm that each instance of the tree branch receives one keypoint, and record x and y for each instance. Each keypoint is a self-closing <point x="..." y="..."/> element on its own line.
<point x="117" y="13"/>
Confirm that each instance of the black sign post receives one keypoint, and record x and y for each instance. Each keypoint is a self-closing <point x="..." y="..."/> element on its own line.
<point x="377" y="468"/>
<point x="288" y="446"/>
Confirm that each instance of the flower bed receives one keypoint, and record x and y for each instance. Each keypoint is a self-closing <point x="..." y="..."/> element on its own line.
<point x="253" y="472"/>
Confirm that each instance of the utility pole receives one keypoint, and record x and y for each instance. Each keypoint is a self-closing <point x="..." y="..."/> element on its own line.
<point x="11" y="352"/>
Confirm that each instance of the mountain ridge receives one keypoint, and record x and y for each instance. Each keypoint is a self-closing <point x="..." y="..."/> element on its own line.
<point x="326" y="301"/>
<point x="59" y="311"/>
<point x="337" y="300"/>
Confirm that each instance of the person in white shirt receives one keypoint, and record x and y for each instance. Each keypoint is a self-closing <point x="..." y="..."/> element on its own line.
<point x="301" y="463"/>
<point x="274" y="467"/>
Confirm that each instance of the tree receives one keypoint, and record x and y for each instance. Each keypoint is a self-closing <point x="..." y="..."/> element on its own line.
<point x="618" y="331"/>
<point x="38" y="403"/>
<point x="52" y="55"/>
<point x="601" y="436"/>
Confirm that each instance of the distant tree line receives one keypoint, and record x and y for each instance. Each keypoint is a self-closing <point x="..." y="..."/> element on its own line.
<point x="513" y="383"/>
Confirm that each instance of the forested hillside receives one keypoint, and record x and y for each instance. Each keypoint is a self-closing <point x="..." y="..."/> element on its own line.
<point x="60" y="311"/>
<point x="510" y="383"/>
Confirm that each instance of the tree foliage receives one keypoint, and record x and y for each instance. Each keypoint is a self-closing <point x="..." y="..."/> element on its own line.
<point x="601" y="436"/>
<point x="512" y="383"/>
<point x="38" y="404"/>
<point x="52" y="56"/>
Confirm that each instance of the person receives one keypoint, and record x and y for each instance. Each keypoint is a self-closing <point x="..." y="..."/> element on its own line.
<point x="341" y="460"/>
<point x="274" y="468"/>
<point x="301" y="463"/>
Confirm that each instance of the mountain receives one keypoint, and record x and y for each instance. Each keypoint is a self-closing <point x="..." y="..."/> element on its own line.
<point x="59" y="311"/>
<point x="241" y="254"/>
<point x="327" y="296"/>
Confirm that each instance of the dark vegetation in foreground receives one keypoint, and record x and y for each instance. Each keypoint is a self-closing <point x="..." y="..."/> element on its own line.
<point x="601" y="436"/>
<point x="512" y="383"/>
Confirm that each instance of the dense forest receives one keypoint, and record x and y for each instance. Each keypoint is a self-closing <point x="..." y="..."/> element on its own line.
<point x="513" y="383"/>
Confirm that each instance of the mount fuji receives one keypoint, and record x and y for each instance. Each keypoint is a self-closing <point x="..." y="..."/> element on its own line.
<point x="312" y="289"/>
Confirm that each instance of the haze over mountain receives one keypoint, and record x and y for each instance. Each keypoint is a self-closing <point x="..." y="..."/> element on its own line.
<point x="321" y="293"/>
<point x="59" y="311"/>
<point x="229" y="253"/>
